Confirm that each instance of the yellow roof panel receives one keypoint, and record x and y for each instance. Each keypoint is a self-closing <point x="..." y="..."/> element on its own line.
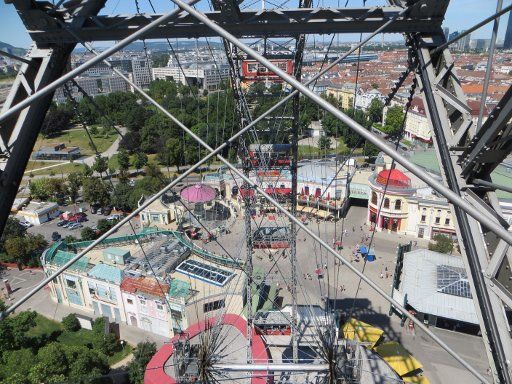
<point x="398" y="357"/>
<point x="416" y="379"/>
<point x="363" y="332"/>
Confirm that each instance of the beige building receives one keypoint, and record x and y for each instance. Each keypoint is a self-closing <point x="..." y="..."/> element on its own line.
<point x="164" y="212"/>
<point x="405" y="208"/>
<point x="344" y="94"/>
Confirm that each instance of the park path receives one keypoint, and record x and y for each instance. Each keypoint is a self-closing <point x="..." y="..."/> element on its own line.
<point x="111" y="151"/>
<point x="122" y="362"/>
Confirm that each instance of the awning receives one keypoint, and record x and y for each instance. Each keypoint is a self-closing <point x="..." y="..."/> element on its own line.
<point x="278" y="191"/>
<point x="362" y="332"/>
<point x="398" y="358"/>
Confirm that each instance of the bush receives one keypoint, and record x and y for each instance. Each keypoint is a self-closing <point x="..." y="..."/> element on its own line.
<point x="71" y="323"/>
<point x="443" y="244"/>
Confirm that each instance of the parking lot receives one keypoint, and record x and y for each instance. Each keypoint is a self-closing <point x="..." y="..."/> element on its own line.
<point x="46" y="229"/>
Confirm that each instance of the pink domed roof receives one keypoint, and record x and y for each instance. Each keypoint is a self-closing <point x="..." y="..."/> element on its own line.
<point x="199" y="193"/>
<point x="396" y="178"/>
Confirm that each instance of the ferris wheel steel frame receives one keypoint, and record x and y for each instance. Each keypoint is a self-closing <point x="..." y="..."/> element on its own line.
<point x="477" y="212"/>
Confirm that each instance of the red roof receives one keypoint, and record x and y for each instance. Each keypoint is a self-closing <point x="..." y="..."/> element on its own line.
<point x="396" y="178"/>
<point x="148" y="285"/>
<point x="155" y="370"/>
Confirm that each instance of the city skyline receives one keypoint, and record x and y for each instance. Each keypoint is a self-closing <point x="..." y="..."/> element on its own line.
<point x="461" y="14"/>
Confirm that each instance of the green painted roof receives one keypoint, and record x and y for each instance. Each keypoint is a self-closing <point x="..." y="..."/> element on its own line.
<point x="62" y="257"/>
<point x="179" y="288"/>
<point x="116" y="251"/>
<point x="107" y="273"/>
<point x="428" y="160"/>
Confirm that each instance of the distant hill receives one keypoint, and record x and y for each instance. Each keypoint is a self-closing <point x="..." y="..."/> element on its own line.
<point x="14" y="50"/>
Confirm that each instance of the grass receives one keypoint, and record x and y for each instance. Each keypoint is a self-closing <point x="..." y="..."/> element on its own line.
<point x="310" y="150"/>
<point x="61" y="169"/>
<point x="45" y="326"/>
<point x="78" y="338"/>
<point x="78" y="138"/>
<point x="120" y="355"/>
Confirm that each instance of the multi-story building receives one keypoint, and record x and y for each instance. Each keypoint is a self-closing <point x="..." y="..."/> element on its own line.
<point x="101" y="84"/>
<point x="344" y="94"/>
<point x="116" y="280"/>
<point x="141" y="72"/>
<point x="209" y="77"/>
<point x="365" y="98"/>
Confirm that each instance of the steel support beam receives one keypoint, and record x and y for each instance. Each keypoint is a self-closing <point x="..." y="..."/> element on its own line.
<point x="19" y="132"/>
<point x="271" y="367"/>
<point x="270" y="23"/>
<point x="446" y="117"/>
<point x="492" y="143"/>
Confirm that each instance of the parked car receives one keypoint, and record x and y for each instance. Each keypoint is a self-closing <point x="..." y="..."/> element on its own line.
<point x="75" y="226"/>
<point x="115" y="216"/>
<point x="25" y="224"/>
<point x="106" y="210"/>
<point x="62" y="223"/>
<point x="56" y="236"/>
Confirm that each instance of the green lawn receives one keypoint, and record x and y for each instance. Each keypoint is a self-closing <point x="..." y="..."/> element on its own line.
<point x="45" y="326"/>
<point x="78" y="138"/>
<point x="80" y="337"/>
<point x="309" y="150"/>
<point x="61" y="169"/>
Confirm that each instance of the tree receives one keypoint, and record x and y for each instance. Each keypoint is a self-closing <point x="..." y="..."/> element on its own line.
<point x="57" y="119"/>
<point x="121" y="197"/>
<point x="100" y="164"/>
<point x="123" y="158"/>
<point x="171" y="154"/>
<point x="141" y="159"/>
<point x="75" y="181"/>
<point x="17" y="362"/>
<point x="443" y="244"/>
<point x="324" y="142"/>
<point x="25" y="250"/>
<point x="394" y="120"/>
<point x="13" y="330"/>
<point x="44" y="188"/>
<point x="87" y="171"/>
<point x="85" y="363"/>
<point x="71" y="323"/>
<point x="13" y="228"/>
<point x="375" y="111"/>
<point x="88" y="234"/>
<point x="104" y="225"/>
<point x="96" y="191"/>
<point x="141" y="357"/>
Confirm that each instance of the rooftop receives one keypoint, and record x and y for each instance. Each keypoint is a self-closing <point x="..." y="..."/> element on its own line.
<point x="437" y="284"/>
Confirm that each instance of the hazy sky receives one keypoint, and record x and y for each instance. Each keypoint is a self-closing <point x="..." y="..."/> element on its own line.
<point x="461" y="14"/>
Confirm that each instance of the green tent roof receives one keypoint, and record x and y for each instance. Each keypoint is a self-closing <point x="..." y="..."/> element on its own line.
<point x="62" y="257"/>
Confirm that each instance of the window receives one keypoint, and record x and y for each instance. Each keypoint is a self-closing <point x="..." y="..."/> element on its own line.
<point x="386" y="203"/>
<point x="160" y="307"/>
<point x="438" y="220"/>
<point x="71" y="284"/>
<point x="447" y="221"/>
<point x="423" y="218"/>
<point x="142" y="302"/>
<point x="213" y="306"/>
<point x="129" y="301"/>
<point x="398" y="204"/>
<point x="374" y="198"/>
